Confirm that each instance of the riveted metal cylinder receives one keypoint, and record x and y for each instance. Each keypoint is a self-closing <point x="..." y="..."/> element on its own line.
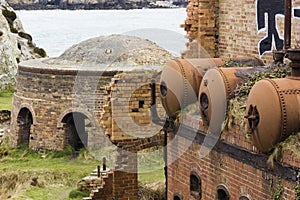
<point x="180" y="82"/>
<point x="181" y="78"/>
<point x="216" y="89"/>
<point x="273" y="111"/>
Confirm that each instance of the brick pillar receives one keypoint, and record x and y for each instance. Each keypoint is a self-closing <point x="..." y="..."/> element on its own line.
<point x="208" y="25"/>
<point x="125" y="176"/>
<point x="201" y="27"/>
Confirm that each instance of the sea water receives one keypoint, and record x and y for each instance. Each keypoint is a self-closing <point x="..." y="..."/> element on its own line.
<point x="57" y="30"/>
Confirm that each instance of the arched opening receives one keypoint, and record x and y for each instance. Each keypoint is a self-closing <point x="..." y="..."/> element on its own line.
<point x="195" y="186"/>
<point x="24" y="122"/>
<point x="176" y="197"/>
<point x="222" y="193"/>
<point x="75" y="129"/>
<point x="244" y="198"/>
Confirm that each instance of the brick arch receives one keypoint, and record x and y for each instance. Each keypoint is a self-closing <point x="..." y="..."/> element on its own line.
<point x="195" y="168"/>
<point x="82" y="111"/>
<point x="222" y="187"/>
<point x="29" y="107"/>
<point x="245" y="197"/>
<point x="195" y="172"/>
<point x="74" y="130"/>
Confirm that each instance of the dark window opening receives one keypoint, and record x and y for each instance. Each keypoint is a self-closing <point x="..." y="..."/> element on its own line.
<point x="141" y="104"/>
<point x="222" y="193"/>
<point x="24" y="122"/>
<point x="75" y="128"/>
<point x="177" y="197"/>
<point x="195" y="186"/>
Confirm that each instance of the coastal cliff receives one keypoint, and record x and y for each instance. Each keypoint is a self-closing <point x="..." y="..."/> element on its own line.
<point x="15" y="45"/>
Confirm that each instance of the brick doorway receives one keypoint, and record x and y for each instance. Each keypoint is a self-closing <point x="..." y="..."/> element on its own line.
<point x="75" y="126"/>
<point x="24" y="123"/>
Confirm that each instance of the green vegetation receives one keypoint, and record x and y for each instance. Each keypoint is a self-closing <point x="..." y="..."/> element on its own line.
<point x="26" y="174"/>
<point x="40" y="51"/>
<point x="237" y="106"/>
<point x="26" y="36"/>
<point x="49" y="175"/>
<point x="6" y="99"/>
<point x="78" y="194"/>
<point x="291" y="144"/>
<point x="297" y="188"/>
<point x="10" y="17"/>
<point x="278" y="191"/>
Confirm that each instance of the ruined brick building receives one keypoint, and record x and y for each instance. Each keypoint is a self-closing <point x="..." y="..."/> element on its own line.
<point x="206" y="160"/>
<point x="92" y="99"/>
<point x="231" y="164"/>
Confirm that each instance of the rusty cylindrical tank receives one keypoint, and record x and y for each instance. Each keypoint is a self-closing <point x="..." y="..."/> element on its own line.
<point x="181" y="78"/>
<point x="180" y="81"/>
<point x="273" y="111"/>
<point x="216" y="89"/>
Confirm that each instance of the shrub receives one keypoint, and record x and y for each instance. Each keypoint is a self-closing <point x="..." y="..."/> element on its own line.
<point x="9" y="15"/>
<point x="40" y="51"/>
<point x="25" y="35"/>
<point x="67" y="151"/>
<point x="78" y="194"/>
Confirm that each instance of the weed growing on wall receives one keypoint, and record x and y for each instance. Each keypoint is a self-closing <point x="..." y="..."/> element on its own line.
<point x="237" y="106"/>
<point x="291" y="144"/>
<point x="276" y="191"/>
<point x="297" y="188"/>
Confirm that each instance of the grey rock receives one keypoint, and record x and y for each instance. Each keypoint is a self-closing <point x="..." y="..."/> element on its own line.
<point x="15" y="45"/>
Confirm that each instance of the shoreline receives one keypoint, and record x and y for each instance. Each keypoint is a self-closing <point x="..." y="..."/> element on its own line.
<point x="99" y="6"/>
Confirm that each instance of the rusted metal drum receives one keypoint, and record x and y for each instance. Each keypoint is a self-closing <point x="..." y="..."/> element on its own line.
<point x="273" y="111"/>
<point x="216" y="89"/>
<point x="180" y="82"/>
<point x="181" y="78"/>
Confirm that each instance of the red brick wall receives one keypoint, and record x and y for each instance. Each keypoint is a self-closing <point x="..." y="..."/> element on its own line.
<point x="216" y="169"/>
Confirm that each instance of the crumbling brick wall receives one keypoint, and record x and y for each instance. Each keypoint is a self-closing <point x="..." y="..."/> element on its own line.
<point x="232" y="28"/>
<point x="99" y="96"/>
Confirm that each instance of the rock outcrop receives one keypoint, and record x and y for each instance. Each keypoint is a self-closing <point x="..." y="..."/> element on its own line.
<point x="15" y="45"/>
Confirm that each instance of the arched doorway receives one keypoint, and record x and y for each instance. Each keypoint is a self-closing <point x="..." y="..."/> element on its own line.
<point x="24" y="122"/>
<point x="75" y="126"/>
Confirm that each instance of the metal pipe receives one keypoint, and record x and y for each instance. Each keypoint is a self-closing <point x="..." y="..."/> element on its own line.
<point x="98" y="171"/>
<point x="154" y="116"/>
<point x="287" y="24"/>
<point x="104" y="164"/>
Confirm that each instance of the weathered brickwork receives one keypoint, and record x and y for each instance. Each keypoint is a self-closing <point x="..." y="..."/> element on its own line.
<point x="127" y="109"/>
<point x="121" y="183"/>
<point x="110" y="104"/>
<point x="55" y="106"/>
<point x="50" y="97"/>
<point x="230" y="28"/>
<point x="233" y="164"/>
